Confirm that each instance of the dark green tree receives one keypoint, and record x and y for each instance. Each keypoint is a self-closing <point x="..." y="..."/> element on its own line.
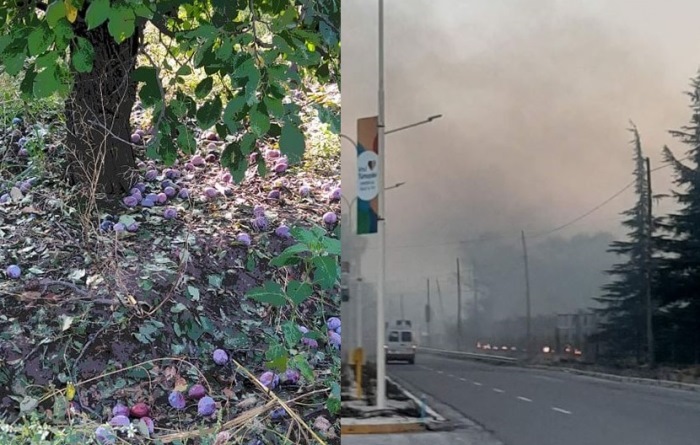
<point x="622" y="329"/>
<point x="259" y="50"/>
<point x="679" y="288"/>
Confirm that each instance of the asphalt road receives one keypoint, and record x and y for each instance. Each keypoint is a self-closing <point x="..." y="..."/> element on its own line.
<point x="540" y="407"/>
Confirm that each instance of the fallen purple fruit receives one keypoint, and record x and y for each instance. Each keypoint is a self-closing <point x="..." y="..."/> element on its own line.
<point x="134" y="227"/>
<point x="172" y="173"/>
<point x="130" y="201"/>
<point x="220" y="357"/>
<point x="149" y="424"/>
<point x="176" y="400"/>
<point x="206" y="406"/>
<point x="330" y="218"/>
<point x="274" y="194"/>
<point x="135" y="190"/>
<point x="212" y="146"/>
<point x="226" y="177"/>
<point x="4" y="199"/>
<point x="167" y="183"/>
<point x="304" y="190"/>
<point x="335" y="194"/>
<point x="140" y="165"/>
<point x="278" y="414"/>
<point x="169" y="192"/>
<point x="119" y="227"/>
<point x="269" y="379"/>
<point x="211" y="192"/>
<point x="253" y="158"/>
<point x="140" y="410"/>
<point x="283" y="232"/>
<point x="170" y="213"/>
<point x="162" y="198"/>
<point x="147" y="202"/>
<point x="303" y="329"/>
<point x="334" y="339"/>
<point x="105" y="436"/>
<point x="291" y="376"/>
<point x="23" y="153"/>
<point x="140" y="132"/>
<point x="310" y="342"/>
<point x="189" y="166"/>
<point x="210" y="158"/>
<point x="197" y="391"/>
<point x="197" y="161"/>
<point x="260" y="223"/>
<point x="333" y="323"/>
<point x="25" y="187"/>
<point x="135" y="138"/>
<point x="338" y="330"/>
<point x="259" y="210"/>
<point x="120" y="410"/>
<point x="119" y="421"/>
<point x="184" y="193"/>
<point x="13" y="271"/>
<point x="140" y="186"/>
<point x="280" y="167"/>
<point x="151" y="175"/>
<point x="243" y="238"/>
<point x="272" y="154"/>
<point x="210" y="136"/>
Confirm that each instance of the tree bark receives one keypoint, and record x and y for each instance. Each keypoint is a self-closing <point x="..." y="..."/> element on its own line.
<point x="98" y="115"/>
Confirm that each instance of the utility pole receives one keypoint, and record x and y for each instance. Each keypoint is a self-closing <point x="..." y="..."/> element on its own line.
<point x="442" y="307"/>
<point x="649" y="224"/>
<point x="476" y="303"/>
<point x="403" y="314"/>
<point x="527" y="297"/>
<point x="427" y="314"/>
<point x="459" y="307"/>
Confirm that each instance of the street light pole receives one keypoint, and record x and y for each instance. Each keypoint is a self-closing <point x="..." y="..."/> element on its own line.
<point x="381" y="358"/>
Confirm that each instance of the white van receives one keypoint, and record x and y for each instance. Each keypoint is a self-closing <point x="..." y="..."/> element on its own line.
<point x="400" y="342"/>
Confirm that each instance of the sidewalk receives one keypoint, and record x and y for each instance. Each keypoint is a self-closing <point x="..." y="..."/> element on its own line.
<point x="459" y="437"/>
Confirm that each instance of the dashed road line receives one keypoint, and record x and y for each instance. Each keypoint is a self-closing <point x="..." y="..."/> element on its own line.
<point x="498" y="390"/>
<point x="559" y="410"/>
<point x="463" y="379"/>
<point x="524" y="399"/>
<point x="440" y="372"/>
<point x="477" y="383"/>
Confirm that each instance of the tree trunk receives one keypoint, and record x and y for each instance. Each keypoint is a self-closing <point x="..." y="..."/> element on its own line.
<point x="98" y="113"/>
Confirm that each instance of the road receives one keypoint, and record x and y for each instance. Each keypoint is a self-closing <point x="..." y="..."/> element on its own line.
<point x="523" y="406"/>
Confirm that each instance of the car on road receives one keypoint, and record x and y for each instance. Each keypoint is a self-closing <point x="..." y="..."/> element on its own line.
<point x="400" y="344"/>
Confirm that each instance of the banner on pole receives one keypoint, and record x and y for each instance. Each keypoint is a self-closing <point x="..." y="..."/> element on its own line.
<point x="367" y="175"/>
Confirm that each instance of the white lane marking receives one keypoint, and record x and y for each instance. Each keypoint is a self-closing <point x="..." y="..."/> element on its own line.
<point x="524" y="399"/>
<point x="451" y="376"/>
<point x="498" y="390"/>
<point x="477" y="383"/>
<point x="463" y="379"/>
<point x="440" y="372"/>
<point x="559" y="410"/>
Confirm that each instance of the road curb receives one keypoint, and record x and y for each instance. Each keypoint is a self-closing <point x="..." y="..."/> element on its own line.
<point x="625" y="379"/>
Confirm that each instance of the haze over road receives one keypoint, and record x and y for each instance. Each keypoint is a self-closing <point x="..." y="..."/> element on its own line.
<point x="538" y="407"/>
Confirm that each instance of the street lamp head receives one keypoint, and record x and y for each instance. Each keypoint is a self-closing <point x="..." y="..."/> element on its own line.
<point x="432" y="118"/>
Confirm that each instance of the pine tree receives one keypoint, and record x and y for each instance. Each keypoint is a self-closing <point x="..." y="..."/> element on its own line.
<point x="680" y="269"/>
<point x="622" y="326"/>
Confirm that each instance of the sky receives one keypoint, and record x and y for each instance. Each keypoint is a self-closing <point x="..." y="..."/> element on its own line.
<point x="537" y="98"/>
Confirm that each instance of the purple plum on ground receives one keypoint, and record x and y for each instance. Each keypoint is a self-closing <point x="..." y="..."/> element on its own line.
<point x="130" y="201"/>
<point x="269" y="379"/>
<point x="4" y="199"/>
<point x="243" y="238"/>
<point x="210" y="136"/>
<point x="169" y="192"/>
<point x="135" y="190"/>
<point x="226" y="177"/>
<point x="305" y="190"/>
<point x="119" y="421"/>
<point x="210" y="192"/>
<point x="151" y="175"/>
<point x="140" y="186"/>
<point x="137" y="195"/>
<point x="310" y="342"/>
<point x="140" y="132"/>
<point x="105" y="436"/>
<point x="197" y="161"/>
<point x="212" y="146"/>
<point x="139" y="410"/>
<point x="259" y="210"/>
<point x="134" y="227"/>
<point x="330" y="218"/>
<point x="149" y="424"/>
<point x="253" y="158"/>
<point x="334" y="339"/>
<point x="184" y="193"/>
<point x="172" y="173"/>
<point x="147" y="202"/>
<point x="278" y="414"/>
<point x="140" y="165"/>
<point x="220" y="357"/>
<point x="119" y="227"/>
<point x="335" y="194"/>
<point x="206" y="406"/>
<point x="120" y="410"/>
<point x="274" y="194"/>
<point x="176" y="400"/>
<point x="291" y="376"/>
<point x="162" y="198"/>
<point x="333" y="323"/>
<point x="170" y="213"/>
<point x="197" y="391"/>
<point x="272" y="154"/>
<point x="106" y="226"/>
<point x="24" y="187"/>
<point x="281" y="167"/>
<point x="13" y="271"/>
<point x="16" y="121"/>
<point x="260" y="223"/>
<point x="283" y="232"/>
<point x="135" y="138"/>
<point x="210" y="158"/>
<point x="189" y="166"/>
<point x="167" y="183"/>
<point x="337" y="330"/>
<point x="23" y="153"/>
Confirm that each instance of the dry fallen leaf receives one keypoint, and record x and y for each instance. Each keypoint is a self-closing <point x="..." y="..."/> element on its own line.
<point x="247" y="403"/>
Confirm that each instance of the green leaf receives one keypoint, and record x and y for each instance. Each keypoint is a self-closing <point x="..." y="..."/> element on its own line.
<point x="292" y="334"/>
<point x="292" y="143"/>
<point x="193" y="292"/>
<point x="55" y="12"/>
<point x="184" y="70"/>
<point x="122" y="23"/>
<point x="204" y="87"/>
<point x="14" y="63"/>
<point x="39" y="40"/>
<point x="298" y="291"/>
<point x="270" y="293"/>
<point x="325" y="271"/>
<point x="194" y="331"/>
<point x="291" y="252"/>
<point x="27" y="85"/>
<point x="186" y="140"/>
<point x="333" y="405"/>
<point x="279" y="364"/>
<point x="64" y="33"/>
<point x="97" y="13"/>
<point x="300" y="363"/>
<point x="209" y="112"/>
<point x="274" y="107"/>
<point x="331" y="245"/>
<point x="215" y="281"/>
<point x="83" y="56"/>
<point x="234" y="112"/>
<point x="259" y="120"/>
<point x="46" y="83"/>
